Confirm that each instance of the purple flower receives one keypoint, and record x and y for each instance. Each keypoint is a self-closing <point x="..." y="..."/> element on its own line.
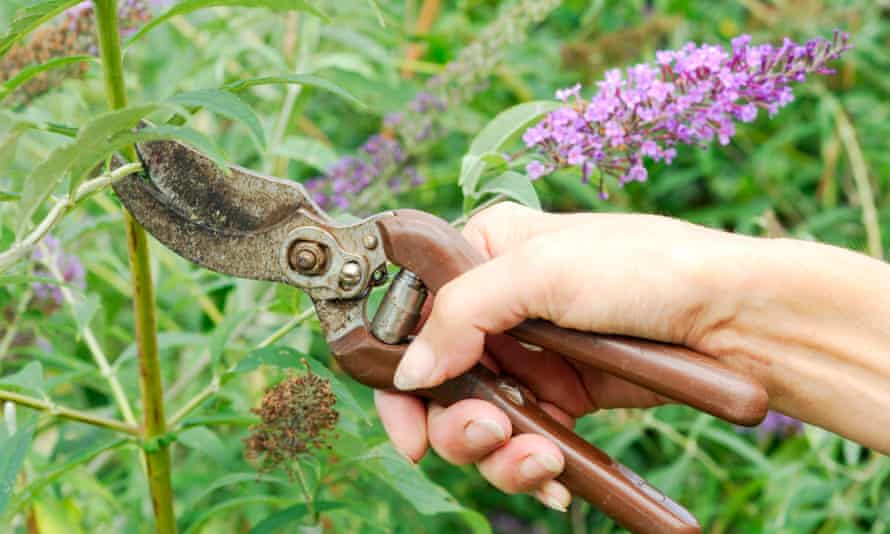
<point x="351" y="175"/>
<point x="690" y="96"/>
<point x="775" y="424"/>
<point x="68" y="265"/>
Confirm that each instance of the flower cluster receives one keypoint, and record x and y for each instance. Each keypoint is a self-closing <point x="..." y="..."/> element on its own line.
<point x="68" y="265"/>
<point x="381" y="155"/>
<point x="689" y="97"/>
<point x="419" y="123"/>
<point x="73" y="34"/>
<point x="297" y="416"/>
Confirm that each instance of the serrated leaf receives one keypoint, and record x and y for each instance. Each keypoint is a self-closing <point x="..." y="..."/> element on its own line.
<point x="306" y="150"/>
<point x="14" y="447"/>
<point x="28" y="380"/>
<point x="187" y="6"/>
<point x="28" y="73"/>
<point x="515" y="186"/>
<point x="506" y="126"/>
<point x="226" y="104"/>
<point x="288" y="358"/>
<point x="201" y="438"/>
<point x="86" y="150"/>
<point x="29" y="18"/>
<point x="296" y="79"/>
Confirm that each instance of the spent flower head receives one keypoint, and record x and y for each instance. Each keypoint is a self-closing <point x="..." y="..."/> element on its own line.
<point x="73" y="34"/>
<point x="687" y="97"/>
<point x="297" y="416"/>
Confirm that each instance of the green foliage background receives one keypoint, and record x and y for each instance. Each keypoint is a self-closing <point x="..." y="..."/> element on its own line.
<point x="793" y="175"/>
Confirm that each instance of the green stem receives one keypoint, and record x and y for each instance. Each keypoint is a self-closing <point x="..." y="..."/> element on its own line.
<point x="154" y="424"/>
<point x="67" y="413"/>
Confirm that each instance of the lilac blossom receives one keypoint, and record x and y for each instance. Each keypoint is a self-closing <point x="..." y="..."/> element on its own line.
<point x="688" y="97"/>
<point x="68" y="265"/>
<point x="380" y="155"/>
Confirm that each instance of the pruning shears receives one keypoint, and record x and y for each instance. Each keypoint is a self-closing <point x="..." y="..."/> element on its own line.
<point x="247" y="225"/>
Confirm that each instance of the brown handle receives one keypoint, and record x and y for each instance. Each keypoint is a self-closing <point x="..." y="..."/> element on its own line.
<point x="589" y="472"/>
<point x="676" y="372"/>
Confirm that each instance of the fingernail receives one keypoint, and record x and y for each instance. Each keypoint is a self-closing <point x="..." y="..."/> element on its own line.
<point x="484" y="433"/>
<point x="538" y="466"/>
<point x="554" y="495"/>
<point x="406" y="456"/>
<point x="416" y="367"/>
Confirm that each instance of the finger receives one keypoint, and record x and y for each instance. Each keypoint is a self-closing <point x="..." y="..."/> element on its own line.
<point x="503" y="226"/>
<point x="554" y="495"/>
<point x="467" y="430"/>
<point x="404" y="419"/>
<point x="524" y="464"/>
<point x="452" y="338"/>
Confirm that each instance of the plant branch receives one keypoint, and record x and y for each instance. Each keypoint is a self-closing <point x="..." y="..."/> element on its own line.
<point x="117" y="390"/>
<point x="60" y="209"/>
<point x="154" y="423"/>
<point x="68" y="413"/>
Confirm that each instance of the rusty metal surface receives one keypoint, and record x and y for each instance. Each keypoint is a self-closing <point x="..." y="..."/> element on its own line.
<point x="242" y="223"/>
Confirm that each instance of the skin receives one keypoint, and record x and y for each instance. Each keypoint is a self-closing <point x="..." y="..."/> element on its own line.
<point x="810" y="321"/>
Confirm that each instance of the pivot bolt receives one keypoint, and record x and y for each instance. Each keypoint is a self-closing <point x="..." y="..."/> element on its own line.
<point x="307" y="258"/>
<point x="370" y="242"/>
<point x="350" y="274"/>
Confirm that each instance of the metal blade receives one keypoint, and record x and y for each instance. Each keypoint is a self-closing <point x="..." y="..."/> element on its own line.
<point x="232" y="224"/>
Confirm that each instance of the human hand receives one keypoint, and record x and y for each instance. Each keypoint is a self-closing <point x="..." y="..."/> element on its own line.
<point x="637" y="275"/>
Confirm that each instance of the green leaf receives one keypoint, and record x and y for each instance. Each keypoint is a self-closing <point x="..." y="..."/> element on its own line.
<point x="88" y="148"/>
<point x="203" y="439"/>
<point x="237" y="478"/>
<point x="14" y="446"/>
<point x="496" y="134"/>
<point x="296" y="79"/>
<point x="187" y="6"/>
<point x="49" y="476"/>
<point x="237" y="503"/>
<point x="307" y="150"/>
<point x="29" y="18"/>
<point x="28" y="380"/>
<point x="226" y="104"/>
<point x="288" y="358"/>
<point x="513" y="185"/>
<point x="377" y="11"/>
<point x="223" y="333"/>
<point x="282" y="518"/>
<point x="9" y="196"/>
<point x="409" y="481"/>
<point x="187" y="135"/>
<point x="28" y="73"/>
<point x="84" y="309"/>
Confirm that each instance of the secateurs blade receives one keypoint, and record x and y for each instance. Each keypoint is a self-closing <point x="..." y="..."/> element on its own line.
<point x="247" y="225"/>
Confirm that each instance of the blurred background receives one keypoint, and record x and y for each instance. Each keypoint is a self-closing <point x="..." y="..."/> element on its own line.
<point x="820" y="170"/>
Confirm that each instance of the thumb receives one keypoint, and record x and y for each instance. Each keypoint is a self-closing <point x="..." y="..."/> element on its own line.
<point x="489" y="299"/>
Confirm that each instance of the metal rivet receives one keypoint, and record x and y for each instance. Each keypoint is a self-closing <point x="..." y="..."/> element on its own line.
<point x="307" y="258"/>
<point x="350" y="274"/>
<point x="370" y="242"/>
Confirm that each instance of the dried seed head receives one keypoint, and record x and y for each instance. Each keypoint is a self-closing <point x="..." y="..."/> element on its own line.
<point x="297" y="415"/>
